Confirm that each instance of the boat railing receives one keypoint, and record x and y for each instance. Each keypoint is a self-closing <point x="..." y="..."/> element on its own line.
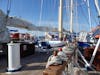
<point x="95" y="51"/>
<point x="88" y="64"/>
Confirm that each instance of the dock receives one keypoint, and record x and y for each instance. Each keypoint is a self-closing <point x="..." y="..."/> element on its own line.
<point x="31" y="65"/>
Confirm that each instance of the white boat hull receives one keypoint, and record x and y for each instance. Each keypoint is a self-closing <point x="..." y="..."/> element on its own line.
<point x="57" y="43"/>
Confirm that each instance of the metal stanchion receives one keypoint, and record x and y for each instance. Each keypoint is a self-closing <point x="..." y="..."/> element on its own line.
<point x="13" y="57"/>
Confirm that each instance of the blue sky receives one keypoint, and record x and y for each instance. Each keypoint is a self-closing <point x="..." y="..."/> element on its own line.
<point x="30" y="11"/>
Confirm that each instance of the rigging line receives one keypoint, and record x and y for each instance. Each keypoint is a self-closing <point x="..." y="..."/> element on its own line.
<point x="89" y="14"/>
<point x="41" y="12"/>
<point x="82" y="11"/>
<point x="52" y="11"/>
<point x="94" y="18"/>
<point x="82" y="3"/>
<point x="66" y="9"/>
<point x="97" y="6"/>
<point x="77" y="17"/>
<point x="67" y="13"/>
<point x="54" y="5"/>
<point x="95" y="21"/>
<point x="97" y="9"/>
<point x="8" y="7"/>
<point x="8" y="11"/>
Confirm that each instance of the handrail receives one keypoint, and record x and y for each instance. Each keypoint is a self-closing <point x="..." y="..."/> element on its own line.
<point x="95" y="51"/>
<point x="91" y="65"/>
<point x="83" y="58"/>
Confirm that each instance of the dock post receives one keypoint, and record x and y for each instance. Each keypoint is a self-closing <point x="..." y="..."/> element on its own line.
<point x="13" y="57"/>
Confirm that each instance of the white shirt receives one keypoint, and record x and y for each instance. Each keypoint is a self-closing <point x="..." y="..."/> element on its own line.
<point x="53" y="60"/>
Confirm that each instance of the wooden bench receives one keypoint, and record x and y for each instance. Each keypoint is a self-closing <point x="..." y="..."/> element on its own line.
<point x="55" y="69"/>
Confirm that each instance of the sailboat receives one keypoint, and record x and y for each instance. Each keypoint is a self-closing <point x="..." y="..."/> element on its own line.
<point x="19" y="23"/>
<point x="13" y="22"/>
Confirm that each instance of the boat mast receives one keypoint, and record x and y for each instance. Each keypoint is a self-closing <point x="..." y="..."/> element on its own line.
<point x="60" y="22"/>
<point x="71" y="17"/>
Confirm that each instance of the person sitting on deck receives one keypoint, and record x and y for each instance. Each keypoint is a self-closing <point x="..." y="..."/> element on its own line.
<point x="54" y="59"/>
